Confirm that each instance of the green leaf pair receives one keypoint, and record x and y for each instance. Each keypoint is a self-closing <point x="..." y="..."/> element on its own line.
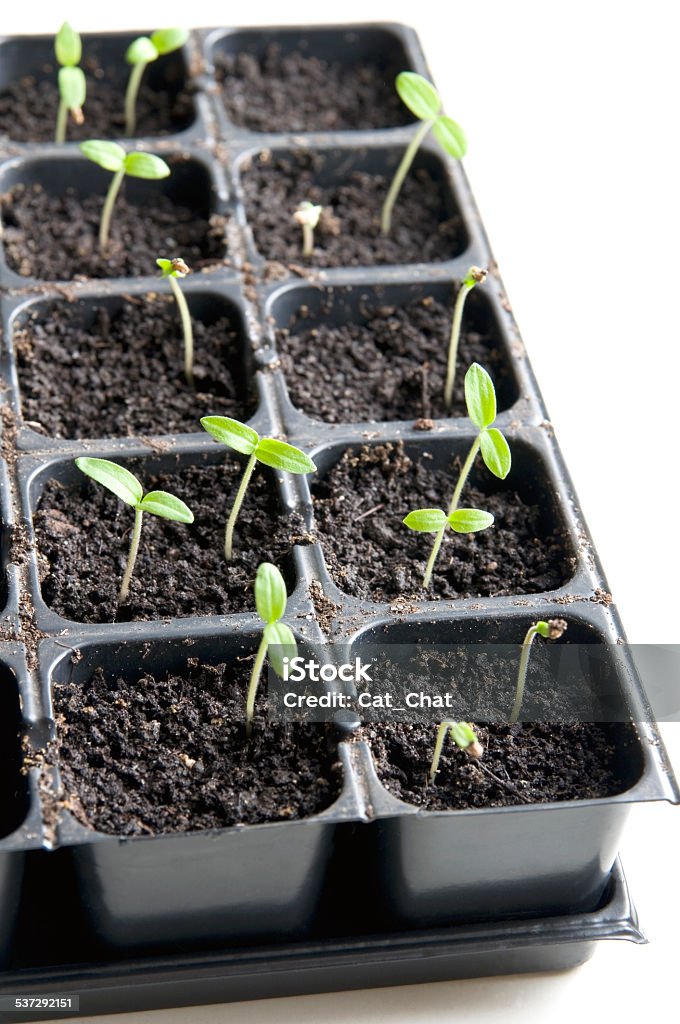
<point x="71" y="80"/>
<point x="462" y="520"/>
<point x="113" y="157"/>
<point x="480" y="399"/>
<point x="423" y="100"/>
<point x="146" y="49"/>
<point x="267" y="450"/>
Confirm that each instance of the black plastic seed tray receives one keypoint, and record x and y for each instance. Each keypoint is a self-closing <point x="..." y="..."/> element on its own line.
<point x="206" y="916"/>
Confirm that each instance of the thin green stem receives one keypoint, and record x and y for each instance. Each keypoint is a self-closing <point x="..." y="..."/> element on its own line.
<point x="132" y="556"/>
<point x="238" y="501"/>
<point x="453" y="343"/>
<point x="402" y="171"/>
<point x="464" y="474"/>
<point x="441" y="736"/>
<point x="62" y="121"/>
<point x="522" y="672"/>
<point x="131" y="97"/>
<point x="187" y="329"/>
<point x="104" y="227"/>
<point x="307" y="240"/>
<point x="252" y="685"/>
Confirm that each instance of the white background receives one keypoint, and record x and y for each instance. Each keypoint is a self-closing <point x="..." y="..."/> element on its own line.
<point x="570" y="109"/>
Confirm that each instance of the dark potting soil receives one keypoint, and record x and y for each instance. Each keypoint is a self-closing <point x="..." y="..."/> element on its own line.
<point x="55" y="238"/>
<point x="298" y="93"/>
<point x="523" y="763"/>
<point x="348" y="233"/>
<point x="147" y="755"/>
<point x="359" y="507"/>
<point x="28" y="106"/>
<point x="83" y="537"/>
<point x="392" y="367"/>
<point x="120" y="372"/>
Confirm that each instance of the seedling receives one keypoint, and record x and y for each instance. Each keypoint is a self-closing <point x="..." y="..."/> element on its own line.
<point x="172" y="269"/>
<point x="141" y="52"/>
<point x="474" y="276"/>
<point x="266" y="450"/>
<point x="307" y="216"/>
<point x="463" y="735"/>
<point x="480" y="398"/>
<point x="550" y="630"/>
<point x="72" y="88"/>
<point x="277" y="637"/>
<point x="423" y="100"/>
<point x="127" y="487"/>
<point x="113" y="157"/>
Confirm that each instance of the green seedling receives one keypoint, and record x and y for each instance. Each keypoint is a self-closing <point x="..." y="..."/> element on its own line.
<point x="277" y="638"/>
<point x="550" y="630"/>
<point x="72" y="88"/>
<point x="127" y="487"/>
<point x="463" y="735"/>
<point x="307" y="216"/>
<point x="113" y="157"/>
<point x="480" y="398"/>
<point x="474" y="276"/>
<point x="140" y="53"/>
<point x="172" y="269"/>
<point x="423" y="100"/>
<point x="266" y="450"/>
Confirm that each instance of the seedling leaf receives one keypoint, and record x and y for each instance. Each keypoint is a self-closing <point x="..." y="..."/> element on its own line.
<point x="419" y="95"/>
<point x="469" y="520"/>
<point x="108" y="155"/>
<point x="425" y="520"/>
<point x="280" y="455"/>
<point x="281" y="644"/>
<point x="480" y="397"/>
<point x="114" y="477"/>
<point x="270" y="593"/>
<point x="166" y="40"/>
<point x="235" y="435"/>
<point x="496" y="452"/>
<point x="67" y="46"/>
<point x="450" y="137"/>
<point x="166" y="506"/>
<point x="146" y="165"/>
<point x="142" y="51"/>
<point x="72" y="87"/>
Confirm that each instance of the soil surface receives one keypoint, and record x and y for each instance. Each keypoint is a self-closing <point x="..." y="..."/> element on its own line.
<point x="55" y="238"/>
<point x="359" y="507"/>
<point x="298" y="93"/>
<point x="28" y="106"/>
<point x="348" y="233"/>
<point x="120" y="372"/>
<point x="523" y="763"/>
<point x="147" y="755"/>
<point x="392" y="367"/>
<point x="83" y="536"/>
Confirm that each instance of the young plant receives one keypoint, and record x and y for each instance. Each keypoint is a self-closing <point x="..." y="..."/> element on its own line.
<point x="172" y="269"/>
<point x="423" y="100"/>
<point x="550" y="630"/>
<point x="141" y="52"/>
<point x="277" y="637"/>
<point x="127" y="487"/>
<point x="474" y="276"/>
<point x="463" y="735"/>
<point x="266" y="450"/>
<point x="307" y="216"/>
<point x="72" y="88"/>
<point x="113" y="157"/>
<point x="480" y="398"/>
